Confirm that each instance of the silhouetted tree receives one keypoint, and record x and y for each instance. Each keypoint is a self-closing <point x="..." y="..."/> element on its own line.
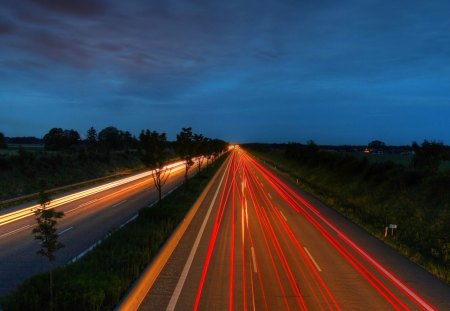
<point x="54" y="139"/>
<point x="59" y="139"/>
<point x="128" y="141"/>
<point x="185" y="148"/>
<point x="199" y="143"/>
<point x="45" y="232"/>
<point x="91" y="137"/>
<point x="72" y="138"/>
<point x="3" y="144"/>
<point x="154" y="155"/>
<point x="377" y="145"/>
<point x="428" y="156"/>
<point x="110" y="138"/>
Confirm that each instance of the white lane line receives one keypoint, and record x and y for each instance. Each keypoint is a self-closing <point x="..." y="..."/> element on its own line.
<point x="15" y="231"/>
<point x="285" y="219"/>
<point x="65" y="230"/>
<point x="128" y="221"/>
<point x="119" y="203"/>
<point x="176" y="293"/>
<point x="254" y="260"/>
<point x="270" y="197"/>
<point x="312" y="259"/>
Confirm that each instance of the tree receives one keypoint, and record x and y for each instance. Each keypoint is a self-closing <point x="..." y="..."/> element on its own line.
<point x="376" y="145"/>
<point x="59" y="139"/>
<point x="154" y="155"/>
<point x="128" y="140"/>
<point x="3" y="144"/>
<point x="428" y="156"/>
<point x="199" y="143"/>
<point x="110" y="138"/>
<point x="54" y="139"/>
<point x="185" y="148"/>
<point x="72" y="138"/>
<point x="91" y="137"/>
<point x="45" y="232"/>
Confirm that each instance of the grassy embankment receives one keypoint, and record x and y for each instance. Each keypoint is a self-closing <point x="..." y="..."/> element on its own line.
<point x="98" y="280"/>
<point x="24" y="171"/>
<point x="376" y="194"/>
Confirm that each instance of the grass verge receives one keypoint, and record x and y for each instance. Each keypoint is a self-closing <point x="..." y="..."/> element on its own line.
<point x="373" y="199"/>
<point x="98" y="280"/>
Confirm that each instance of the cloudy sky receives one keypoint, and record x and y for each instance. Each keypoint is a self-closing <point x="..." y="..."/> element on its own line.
<point x="345" y="71"/>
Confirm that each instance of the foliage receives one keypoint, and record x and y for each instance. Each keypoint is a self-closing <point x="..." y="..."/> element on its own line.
<point x="185" y="148"/>
<point x="59" y="139"/>
<point x="46" y="227"/>
<point x="154" y="155"/>
<point x="19" y="172"/>
<point x="91" y="138"/>
<point x="376" y="194"/>
<point x="428" y="156"/>
<point x="376" y="145"/>
<point x="3" y="144"/>
<point x="45" y="232"/>
<point x="98" y="280"/>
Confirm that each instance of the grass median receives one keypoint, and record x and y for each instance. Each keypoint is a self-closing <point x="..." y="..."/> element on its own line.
<point x="98" y="280"/>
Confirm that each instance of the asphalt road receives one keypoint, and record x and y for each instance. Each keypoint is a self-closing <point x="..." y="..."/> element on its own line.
<point x="90" y="214"/>
<point x="257" y="243"/>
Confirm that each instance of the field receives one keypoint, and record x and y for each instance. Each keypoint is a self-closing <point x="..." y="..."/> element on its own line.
<point x="14" y="148"/>
<point x="402" y="159"/>
<point x="372" y="194"/>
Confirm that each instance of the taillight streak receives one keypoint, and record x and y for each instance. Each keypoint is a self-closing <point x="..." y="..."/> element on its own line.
<point x="282" y="187"/>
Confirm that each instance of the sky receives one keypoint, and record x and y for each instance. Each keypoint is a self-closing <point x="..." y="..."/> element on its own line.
<point x="336" y="72"/>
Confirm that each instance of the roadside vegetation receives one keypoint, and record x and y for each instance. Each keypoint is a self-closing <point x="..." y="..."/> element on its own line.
<point x="415" y="197"/>
<point x="99" y="280"/>
<point x="64" y="158"/>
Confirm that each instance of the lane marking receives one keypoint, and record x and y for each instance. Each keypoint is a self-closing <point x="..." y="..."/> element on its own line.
<point x="255" y="269"/>
<point x="117" y="204"/>
<point x="312" y="259"/>
<point x="64" y="231"/>
<point x="285" y="219"/>
<point x="15" y="231"/>
<point x="128" y="221"/>
<point x="176" y="293"/>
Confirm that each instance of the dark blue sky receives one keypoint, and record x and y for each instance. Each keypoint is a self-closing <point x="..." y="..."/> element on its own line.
<point x="254" y="70"/>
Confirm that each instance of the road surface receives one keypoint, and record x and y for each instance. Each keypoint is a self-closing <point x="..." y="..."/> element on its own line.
<point x="90" y="214"/>
<point x="257" y="243"/>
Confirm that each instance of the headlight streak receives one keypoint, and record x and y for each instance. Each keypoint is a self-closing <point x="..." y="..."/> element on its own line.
<point x="29" y="211"/>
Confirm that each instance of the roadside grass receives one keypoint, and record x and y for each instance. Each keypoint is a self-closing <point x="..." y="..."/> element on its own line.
<point x="99" y="280"/>
<point x="24" y="173"/>
<point x="401" y="159"/>
<point x="375" y="195"/>
<point x="14" y="148"/>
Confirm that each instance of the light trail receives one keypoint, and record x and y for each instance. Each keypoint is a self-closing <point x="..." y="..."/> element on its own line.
<point x="302" y="206"/>
<point x="29" y="211"/>
<point x="223" y="199"/>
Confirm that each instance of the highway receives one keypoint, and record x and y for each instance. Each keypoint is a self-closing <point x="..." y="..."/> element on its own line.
<point x="258" y="243"/>
<point x="90" y="214"/>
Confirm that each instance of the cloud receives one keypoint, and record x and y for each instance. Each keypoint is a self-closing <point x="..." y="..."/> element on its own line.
<point x="6" y="28"/>
<point x="87" y="8"/>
